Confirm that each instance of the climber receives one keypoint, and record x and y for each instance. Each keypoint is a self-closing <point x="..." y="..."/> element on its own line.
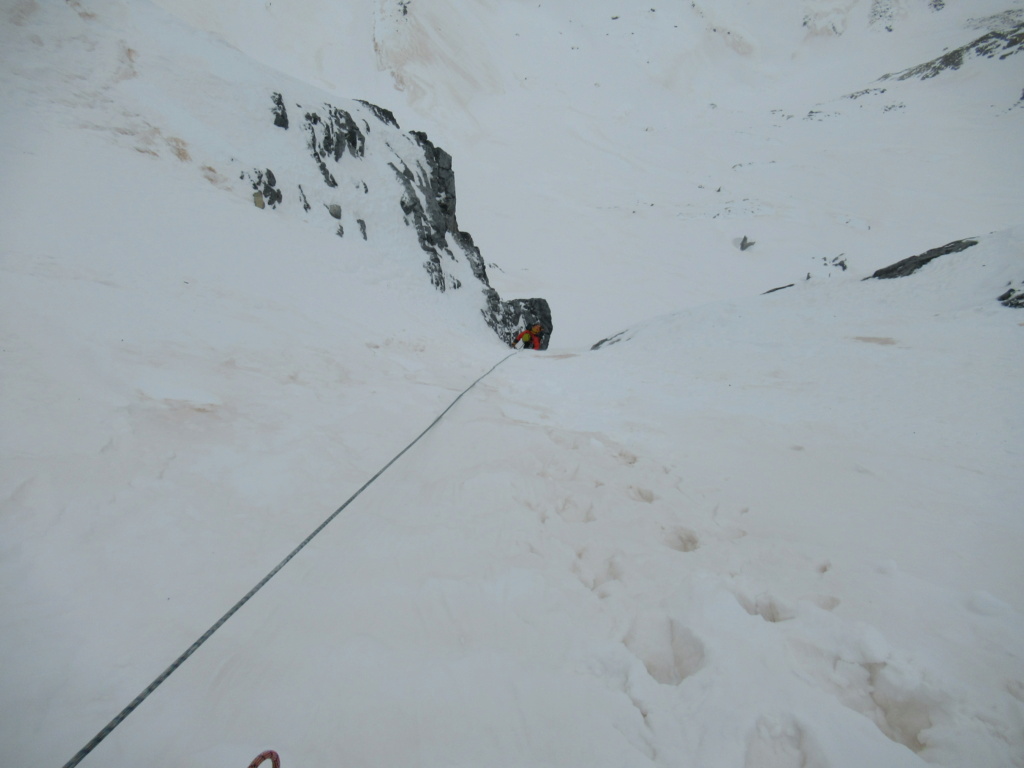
<point x="530" y="337"/>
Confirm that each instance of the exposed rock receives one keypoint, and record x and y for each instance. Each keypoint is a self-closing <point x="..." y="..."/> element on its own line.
<point x="866" y="92"/>
<point x="425" y="192"/>
<point x="257" y="199"/>
<point x="1013" y="298"/>
<point x="384" y="115"/>
<point x="280" y="113"/>
<point x="745" y="243"/>
<point x="441" y="184"/>
<point x="428" y="203"/>
<point x="330" y="136"/>
<point x="473" y="255"/>
<point x="1001" y="43"/>
<point x="609" y="341"/>
<point x="265" y="183"/>
<point x="837" y="261"/>
<point x="910" y="265"/>
<point x="780" y="288"/>
<point x="508" y="318"/>
<point x="431" y="239"/>
<point x="341" y="133"/>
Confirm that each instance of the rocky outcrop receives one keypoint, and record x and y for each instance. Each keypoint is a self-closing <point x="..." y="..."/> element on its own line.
<point x="999" y="43"/>
<point x="329" y="136"/>
<point x="1013" y="298"/>
<point x="910" y="265"/>
<point x="350" y="146"/>
<point x="264" y="186"/>
<point x="429" y="203"/>
<point x="384" y="115"/>
<point x="279" y="111"/>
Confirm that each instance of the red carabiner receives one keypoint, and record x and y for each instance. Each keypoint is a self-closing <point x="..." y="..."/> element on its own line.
<point x="271" y="755"/>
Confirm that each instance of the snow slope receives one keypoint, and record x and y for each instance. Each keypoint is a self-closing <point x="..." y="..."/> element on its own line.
<point x="595" y="142"/>
<point x="747" y="530"/>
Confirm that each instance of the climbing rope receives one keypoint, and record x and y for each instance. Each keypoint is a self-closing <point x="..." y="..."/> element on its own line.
<point x="262" y="757"/>
<point x="234" y="609"/>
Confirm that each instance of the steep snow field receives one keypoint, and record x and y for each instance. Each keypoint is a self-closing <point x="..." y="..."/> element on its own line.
<point x="747" y="530"/>
<point x="599" y="142"/>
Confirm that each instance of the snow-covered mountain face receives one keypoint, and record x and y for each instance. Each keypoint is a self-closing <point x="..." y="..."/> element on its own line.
<point x="666" y="133"/>
<point x="706" y="527"/>
<point x="613" y="118"/>
<point x="346" y="165"/>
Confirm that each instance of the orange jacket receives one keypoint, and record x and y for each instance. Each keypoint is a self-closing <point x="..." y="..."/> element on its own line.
<point x="529" y="339"/>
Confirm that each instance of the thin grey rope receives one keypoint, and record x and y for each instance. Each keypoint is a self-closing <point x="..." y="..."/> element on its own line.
<point x="234" y="609"/>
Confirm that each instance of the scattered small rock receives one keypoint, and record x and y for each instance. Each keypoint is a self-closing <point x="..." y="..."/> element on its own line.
<point x="837" y="261"/>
